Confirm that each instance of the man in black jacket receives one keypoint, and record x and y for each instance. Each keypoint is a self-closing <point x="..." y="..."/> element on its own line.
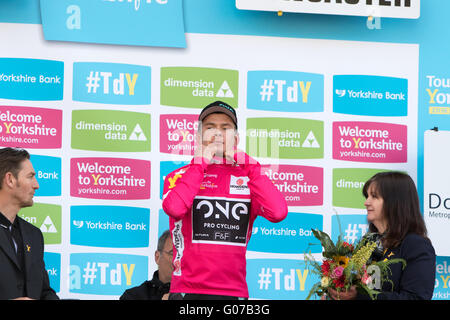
<point x="158" y="287"/>
<point x="23" y="274"/>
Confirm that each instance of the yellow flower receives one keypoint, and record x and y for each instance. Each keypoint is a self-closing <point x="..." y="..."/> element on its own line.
<point x="324" y="282"/>
<point x="341" y="260"/>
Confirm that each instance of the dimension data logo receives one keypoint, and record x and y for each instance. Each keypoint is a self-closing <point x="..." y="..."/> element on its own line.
<point x="110" y="178"/>
<point x="286" y="91"/>
<point x="109" y="130"/>
<point x="111" y="83"/>
<point x="109" y="226"/>
<point x="370" y="142"/>
<point x="106" y="273"/>
<point x="348" y="184"/>
<point x="31" y="79"/>
<point x="370" y="95"/>
<point x="300" y="185"/>
<point x="192" y="87"/>
<point x="279" y="279"/>
<point x="46" y="217"/>
<point x="30" y="127"/>
<point x="177" y="133"/>
<point x="48" y="175"/>
<point x="292" y="235"/>
<point x="285" y="138"/>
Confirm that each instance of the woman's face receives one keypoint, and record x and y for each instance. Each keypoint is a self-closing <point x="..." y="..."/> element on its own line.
<point x="374" y="205"/>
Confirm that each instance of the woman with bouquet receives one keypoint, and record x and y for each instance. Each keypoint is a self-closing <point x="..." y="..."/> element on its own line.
<point x="394" y="217"/>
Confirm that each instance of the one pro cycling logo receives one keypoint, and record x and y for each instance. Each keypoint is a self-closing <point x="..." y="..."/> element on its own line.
<point x="220" y="220"/>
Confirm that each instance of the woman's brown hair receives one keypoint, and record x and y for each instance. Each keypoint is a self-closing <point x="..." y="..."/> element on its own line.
<point x="401" y="206"/>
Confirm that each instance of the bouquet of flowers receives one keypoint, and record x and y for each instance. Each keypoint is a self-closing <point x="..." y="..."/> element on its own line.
<point x="345" y="265"/>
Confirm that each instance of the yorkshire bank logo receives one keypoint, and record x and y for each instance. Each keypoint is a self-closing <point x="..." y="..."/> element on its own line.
<point x="300" y="185"/>
<point x="106" y="273"/>
<point x="31" y="79"/>
<point x="110" y="130"/>
<point x="292" y="235"/>
<point x="110" y="178"/>
<point x="348" y="184"/>
<point x="109" y="226"/>
<point x="30" y="127"/>
<point x="370" y="95"/>
<point x="48" y="175"/>
<point x="286" y="91"/>
<point x="370" y="142"/>
<point x="46" y="217"/>
<point x="177" y="133"/>
<point x="194" y="87"/>
<point x="279" y="279"/>
<point x="53" y="266"/>
<point x="111" y="83"/>
<point x="285" y="138"/>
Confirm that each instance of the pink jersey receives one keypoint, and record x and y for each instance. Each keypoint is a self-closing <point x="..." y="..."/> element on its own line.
<point x="212" y="208"/>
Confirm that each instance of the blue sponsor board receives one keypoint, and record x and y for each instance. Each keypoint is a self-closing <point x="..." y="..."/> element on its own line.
<point x="111" y="83"/>
<point x="53" y="266"/>
<point x="286" y="91"/>
<point x="109" y="226"/>
<point x="279" y="279"/>
<point x="165" y="168"/>
<point x="163" y="222"/>
<point x="351" y="227"/>
<point x="115" y="22"/>
<point x="370" y="95"/>
<point x="292" y="235"/>
<point x="106" y="273"/>
<point x="442" y="283"/>
<point x="48" y="175"/>
<point x="31" y="79"/>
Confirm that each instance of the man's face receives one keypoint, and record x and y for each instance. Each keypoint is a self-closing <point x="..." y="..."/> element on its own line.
<point x="164" y="261"/>
<point x="218" y="128"/>
<point x="25" y="185"/>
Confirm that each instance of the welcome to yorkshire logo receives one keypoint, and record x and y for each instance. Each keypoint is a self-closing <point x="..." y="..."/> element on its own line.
<point x="119" y="131"/>
<point x="193" y="87"/>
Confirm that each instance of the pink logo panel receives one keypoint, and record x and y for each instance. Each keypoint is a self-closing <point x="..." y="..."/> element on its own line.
<point x="31" y="128"/>
<point x="110" y="178"/>
<point x="301" y="185"/>
<point x="370" y="142"/>
<point x="177" y="133"/>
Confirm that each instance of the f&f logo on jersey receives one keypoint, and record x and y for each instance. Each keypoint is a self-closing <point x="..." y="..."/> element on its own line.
<point x="238" y="185"/>
<point x="220" y="220"/>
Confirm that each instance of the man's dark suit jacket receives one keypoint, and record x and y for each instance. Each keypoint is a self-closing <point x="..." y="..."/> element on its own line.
<point x="37" y="284"/>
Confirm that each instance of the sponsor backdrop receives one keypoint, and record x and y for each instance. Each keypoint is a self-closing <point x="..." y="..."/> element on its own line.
<point x="105" y="124"/>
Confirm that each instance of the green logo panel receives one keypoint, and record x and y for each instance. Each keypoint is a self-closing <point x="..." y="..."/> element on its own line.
<point x="110" y="130"/>
<point x="46" y="217"/>
<point x="348" y="184"/>
<point x="285" y="138"/>
<point x="192" y="87"/>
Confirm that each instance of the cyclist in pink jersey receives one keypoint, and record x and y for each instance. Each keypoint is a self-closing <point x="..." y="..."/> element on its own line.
<point x="212" y="204"/>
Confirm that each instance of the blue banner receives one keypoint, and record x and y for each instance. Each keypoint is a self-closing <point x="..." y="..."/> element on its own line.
<point x="370" y="95"/>
<point x="111" y="83"/>
<point x="139" y="22"/>
<point x="109" y="226"/>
